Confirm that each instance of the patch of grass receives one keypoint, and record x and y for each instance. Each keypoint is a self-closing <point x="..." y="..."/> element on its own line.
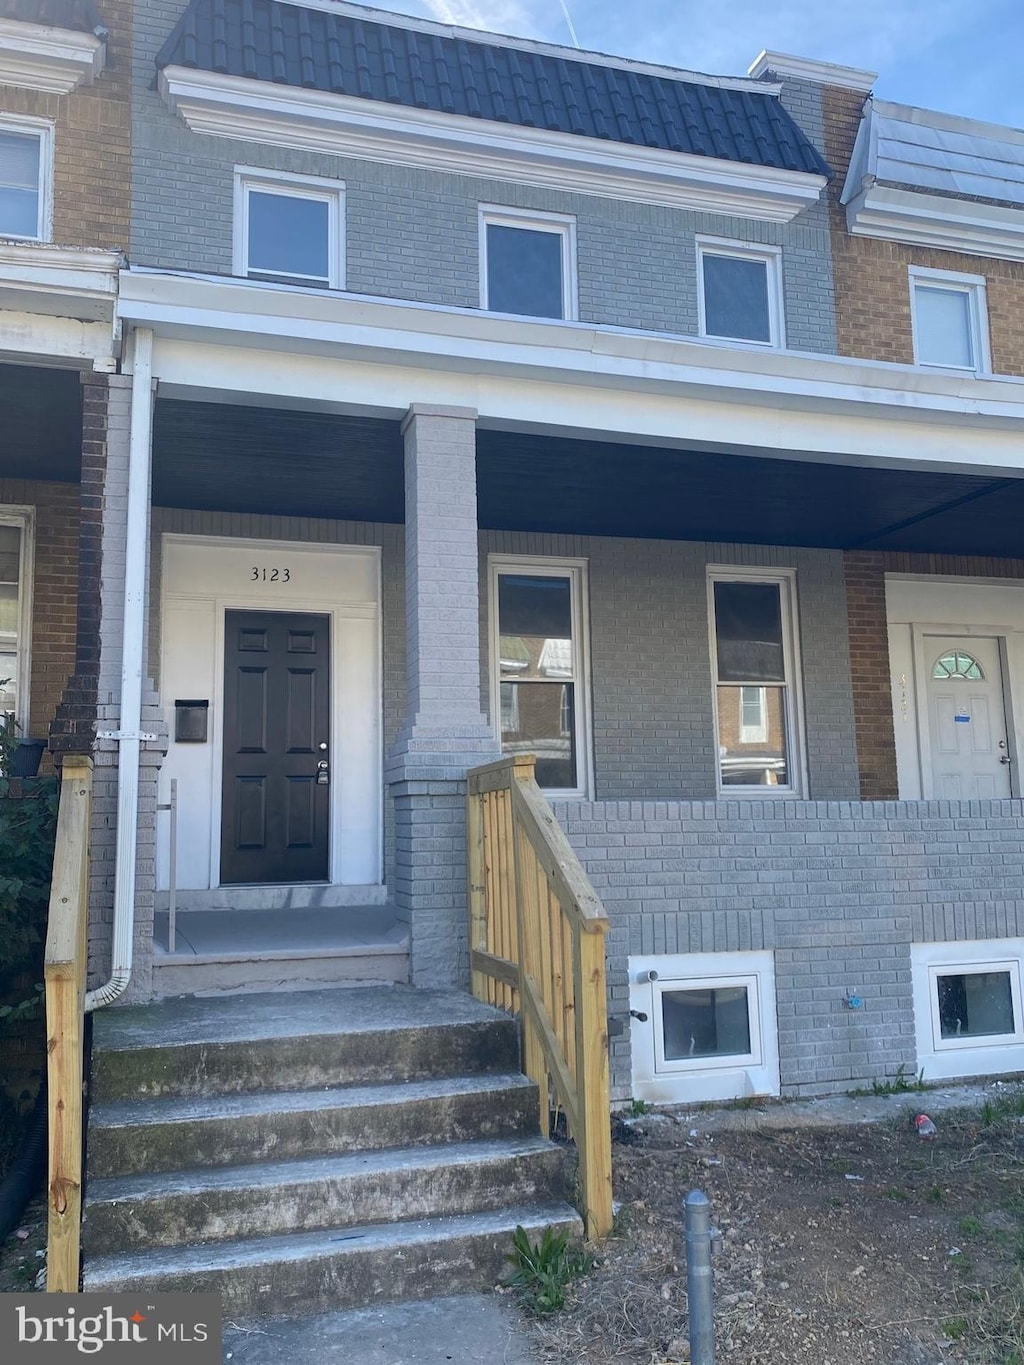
<point x="1002" y="1107"/>
<point x="544" y="1270"/>
<point x="955" y="1328"/>
<point x="936" y="1194"/>
<point x="903" y="1083"/>
<point x="638" y="1108"/>
<point x="898" y="1194"/>
<point x="970" y="1226"/>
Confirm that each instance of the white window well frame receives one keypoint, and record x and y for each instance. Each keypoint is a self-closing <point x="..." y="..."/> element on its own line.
<point x="575" y="570"/>
<point x="691" y="1080"/>
<point x="42" y="129"/>
<point x="331" y="192"/>
<point x="786" y="580"/>
<point x="941" y="1058"/>
<point x="24" y="519"/>
<point x="771" y="258"/>
<point x="562" y="225"/>
<point x="974" y="287"/>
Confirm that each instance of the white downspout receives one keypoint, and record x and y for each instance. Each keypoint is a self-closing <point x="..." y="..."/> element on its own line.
<point x="132" y="654"/>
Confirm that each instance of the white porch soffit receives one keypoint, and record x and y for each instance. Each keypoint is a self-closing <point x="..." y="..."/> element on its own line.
<point x="343" y="125"/>
<point x="937" y="180"/>
<point x="41" y="57"/>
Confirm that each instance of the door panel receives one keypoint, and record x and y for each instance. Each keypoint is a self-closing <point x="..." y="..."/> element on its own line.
<point x="276" y="814"/>
<point x="967" y="732"/>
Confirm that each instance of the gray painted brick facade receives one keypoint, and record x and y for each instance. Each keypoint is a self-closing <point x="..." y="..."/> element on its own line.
<point x="413" y="233"/>
<point x="653" y="725"/>
<point x="838" y="890"/>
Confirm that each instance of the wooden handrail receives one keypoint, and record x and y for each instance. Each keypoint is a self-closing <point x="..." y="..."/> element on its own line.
<point x="537" y="932"/>
<point x="65" y="973"/>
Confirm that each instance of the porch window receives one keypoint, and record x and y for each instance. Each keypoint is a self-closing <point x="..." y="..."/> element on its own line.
<point x="25" y="174"/>
<point x="950" y="319"/>
<point x="14" y="610"/>
<point x="289" y="228"/>
<point x="756" y="701"/>
<point x="739" y="290"/>
<point x="527" y="263"/>
<point x="537" y="667"/>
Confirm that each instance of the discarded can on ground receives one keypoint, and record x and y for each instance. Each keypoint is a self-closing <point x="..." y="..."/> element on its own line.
<point x="925" y="1128"/>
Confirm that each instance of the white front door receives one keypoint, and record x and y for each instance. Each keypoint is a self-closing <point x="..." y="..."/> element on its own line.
<point x="968" y="751"/>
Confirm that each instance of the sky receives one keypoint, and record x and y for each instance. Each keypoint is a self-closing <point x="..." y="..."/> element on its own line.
<point x="960" y="56"/>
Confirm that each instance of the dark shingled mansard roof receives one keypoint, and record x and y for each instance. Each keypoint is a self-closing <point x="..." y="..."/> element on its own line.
<point x="79" y="15"/>
<point x="315" y="49"/>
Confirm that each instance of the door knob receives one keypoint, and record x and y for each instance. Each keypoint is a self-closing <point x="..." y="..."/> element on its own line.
<point x="1005" y="758"/>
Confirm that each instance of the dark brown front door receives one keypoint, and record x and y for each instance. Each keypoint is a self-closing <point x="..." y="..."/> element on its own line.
<point x="275" y="815"/>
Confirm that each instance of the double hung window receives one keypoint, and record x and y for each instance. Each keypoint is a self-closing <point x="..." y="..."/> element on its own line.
<point x="26" y="157"/>
<point x="538" y="654"/>
<point x="289" y="228"/>
<point x="527" y="263"/>
<point x="757" y="704"/>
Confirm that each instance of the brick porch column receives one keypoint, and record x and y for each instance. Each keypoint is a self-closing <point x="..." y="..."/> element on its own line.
<point x="445" y="731"/>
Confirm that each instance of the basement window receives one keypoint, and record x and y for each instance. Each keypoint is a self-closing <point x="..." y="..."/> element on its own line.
<point x="26" y="175"/>
<point x="709" y="1031"/>
<point x="967" y="1007"/>
<point x="289" y="228"/>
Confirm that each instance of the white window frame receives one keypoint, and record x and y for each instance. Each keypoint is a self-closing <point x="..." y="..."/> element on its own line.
<point x="332" y="192"/>
<point x="562" y="225"/>
<point x="977" y="314"/>
<point x="941" y="1058"/>
<point x="692" y="1080"/>
<point x="24" y="519"/>
<point x="796" y="758"/>
<point x="771" y="258"/>
<point x="575" y="570"/>
<point x="43" y="129"/>
<point x="758" y="733"/>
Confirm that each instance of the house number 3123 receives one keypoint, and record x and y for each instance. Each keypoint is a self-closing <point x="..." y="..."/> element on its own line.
<point x="261" y="575"/>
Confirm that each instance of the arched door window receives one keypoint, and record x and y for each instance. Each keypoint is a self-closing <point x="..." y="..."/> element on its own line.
<point x="957" y="664"/>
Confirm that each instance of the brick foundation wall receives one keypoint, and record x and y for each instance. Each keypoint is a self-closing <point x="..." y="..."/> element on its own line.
<point x="92" y="146"/>
<point x="871" y="277"/>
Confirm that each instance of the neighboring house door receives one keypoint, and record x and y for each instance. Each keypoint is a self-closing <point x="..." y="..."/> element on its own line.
<point x="275" y="802"/>
<point x="967" y="731"/>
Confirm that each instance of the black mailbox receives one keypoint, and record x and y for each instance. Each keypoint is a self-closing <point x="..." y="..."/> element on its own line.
<point x="190" y="721"/>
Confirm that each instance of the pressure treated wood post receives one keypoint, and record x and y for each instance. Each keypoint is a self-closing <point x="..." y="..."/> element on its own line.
<point x="65" y="971"/>
<point x="594" y="1141"/>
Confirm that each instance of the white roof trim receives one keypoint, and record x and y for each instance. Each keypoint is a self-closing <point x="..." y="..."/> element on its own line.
<point x="56" y="60"/>
<point x="569" y="54"/>
<point x="278" y="318"/>
<point x="961" y="225"/>
<point x="312" y="120"/>
<point x="807" y="69"/>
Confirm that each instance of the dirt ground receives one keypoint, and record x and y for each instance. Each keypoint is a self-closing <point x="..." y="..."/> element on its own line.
<point x="861" y="1245"/>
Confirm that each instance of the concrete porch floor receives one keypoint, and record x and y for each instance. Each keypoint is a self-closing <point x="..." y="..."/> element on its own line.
<point x="219" y="951"/>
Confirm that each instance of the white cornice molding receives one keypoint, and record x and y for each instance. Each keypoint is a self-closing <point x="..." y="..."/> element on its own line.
<point x="961" y="225"/>
<point x="784" y="64"/>
<point x="246" y="314"/>
<point x="59" y="281"/>
<point x="56" y="60"/>
<point x="312" y="120"/>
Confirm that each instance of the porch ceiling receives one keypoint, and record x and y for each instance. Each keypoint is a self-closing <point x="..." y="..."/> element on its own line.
<point x="246" y="459"/>
<point x="42" y="423"/>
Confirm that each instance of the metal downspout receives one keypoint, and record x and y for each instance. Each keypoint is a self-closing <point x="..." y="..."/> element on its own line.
<point x="132" y="654"/>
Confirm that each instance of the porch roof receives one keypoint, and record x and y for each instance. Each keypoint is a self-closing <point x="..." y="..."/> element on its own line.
<point x="250" y="459"/>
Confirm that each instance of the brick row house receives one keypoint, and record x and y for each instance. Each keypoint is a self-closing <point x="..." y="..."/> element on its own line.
<point x="496" y="397"/>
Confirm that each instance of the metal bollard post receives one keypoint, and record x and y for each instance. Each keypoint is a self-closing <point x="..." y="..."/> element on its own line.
<point x="699" y="1286"/>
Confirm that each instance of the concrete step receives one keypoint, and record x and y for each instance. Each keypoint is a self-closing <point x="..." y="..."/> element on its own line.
<point x="132" y="1137"/>
<point x="335" y="1268"/>
<point x="221" y="1203"/>
<point x="297" y="1041"/>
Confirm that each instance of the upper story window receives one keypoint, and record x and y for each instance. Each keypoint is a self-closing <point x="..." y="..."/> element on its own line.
<point x="539" y="666"/>
<point x="289" y="228"/>
<point x="950" y="319"/>
<point x="739" y="291"/>
<point x="527" y="263"/>
<point x="26" y="162"/>
<point x="757" y="695"/>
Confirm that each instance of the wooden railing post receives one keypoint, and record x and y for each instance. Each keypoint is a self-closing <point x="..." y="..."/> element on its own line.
<point x="65" y="972"/>
<point x="537" y="932"/>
